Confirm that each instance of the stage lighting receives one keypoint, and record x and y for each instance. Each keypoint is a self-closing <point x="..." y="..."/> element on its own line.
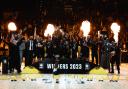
<point x="87" y="66"/>
<point x="4" y="65"/>
<point x="5" y="61"/>
<point x="41" y="66"/>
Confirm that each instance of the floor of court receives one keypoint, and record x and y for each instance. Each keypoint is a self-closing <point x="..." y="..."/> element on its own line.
<point x="66" y="81"/>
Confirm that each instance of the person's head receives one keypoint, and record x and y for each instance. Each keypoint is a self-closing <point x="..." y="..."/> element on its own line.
<point x="20" y="31"/>
<point x="101" y="37"/>
<point x="116" y="45"/>
<point x="15" y="36"/>
<point x="37" y="37"/>
<point x="74" y="40"/>
<point x="54" y="45"/>
<point x="31" y="37"/>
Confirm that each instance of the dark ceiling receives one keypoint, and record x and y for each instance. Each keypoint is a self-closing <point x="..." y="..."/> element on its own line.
<point x="17" y="4"/>
<point x="56" y="8"/>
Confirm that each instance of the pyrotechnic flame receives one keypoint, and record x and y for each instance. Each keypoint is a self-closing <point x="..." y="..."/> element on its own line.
<point x="12" y="26"/>
<point x="85" y="27"/>
<point x="49" y="30"/>
<point x="116" y="29"/>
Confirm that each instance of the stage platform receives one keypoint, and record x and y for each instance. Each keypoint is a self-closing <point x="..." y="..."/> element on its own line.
<point x="63" y="81"/>
<point x="66" y="81"/>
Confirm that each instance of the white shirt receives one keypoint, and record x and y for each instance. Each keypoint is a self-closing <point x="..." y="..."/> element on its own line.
<point x="31" y="45"/>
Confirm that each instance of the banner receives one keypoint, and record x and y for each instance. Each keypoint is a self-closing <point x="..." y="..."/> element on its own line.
<point x="64" y="66"/>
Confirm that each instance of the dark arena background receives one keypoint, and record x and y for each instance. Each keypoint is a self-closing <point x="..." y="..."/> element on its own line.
<point x="63" y="44"/>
